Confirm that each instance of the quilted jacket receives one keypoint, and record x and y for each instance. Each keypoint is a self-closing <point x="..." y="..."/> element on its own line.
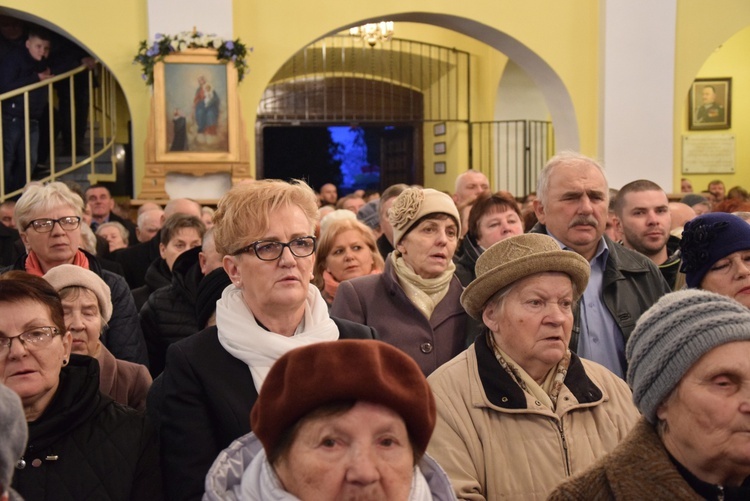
<point x="86" y="446"/>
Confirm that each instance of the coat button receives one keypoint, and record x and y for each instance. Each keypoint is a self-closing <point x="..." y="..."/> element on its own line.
<point x="426" y="347"/>
<point x="504" y="399"/>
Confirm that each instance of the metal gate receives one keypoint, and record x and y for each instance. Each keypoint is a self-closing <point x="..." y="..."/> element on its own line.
<point x="512" y="152"/>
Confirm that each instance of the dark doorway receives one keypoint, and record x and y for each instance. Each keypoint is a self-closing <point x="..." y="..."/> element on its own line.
<point x="352" y="157"/>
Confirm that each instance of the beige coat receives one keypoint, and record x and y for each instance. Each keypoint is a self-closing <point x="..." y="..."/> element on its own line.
<point x="125" y="382"/>
<point x="496" y="442"/>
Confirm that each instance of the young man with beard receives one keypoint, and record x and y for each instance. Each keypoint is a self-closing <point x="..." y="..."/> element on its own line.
<point x="642" y="211"/>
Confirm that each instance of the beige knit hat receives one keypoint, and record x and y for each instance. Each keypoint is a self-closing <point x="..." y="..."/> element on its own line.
<point x="415" y="203"/>
<point x="69" y="275"/>
<point x="518" y="257"/>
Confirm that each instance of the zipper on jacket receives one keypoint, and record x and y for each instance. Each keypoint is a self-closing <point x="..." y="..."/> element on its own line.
<point x="720" y="495"/>
<point x="565" y="448"/>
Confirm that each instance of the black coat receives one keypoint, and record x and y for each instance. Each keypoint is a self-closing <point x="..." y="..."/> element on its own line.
<point x="207" y="398"/>
<point x="87" y="446"/>
<point x="135" y="260"/>
<point x="169" y="313"/>
<point x="17" y="70"/>
<point x="8" y="250"/>
<point x="123" y="336"/>
<point x="157" y="276"/>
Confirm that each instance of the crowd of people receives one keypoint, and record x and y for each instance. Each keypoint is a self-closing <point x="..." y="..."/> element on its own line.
<point x="578" y="342"/>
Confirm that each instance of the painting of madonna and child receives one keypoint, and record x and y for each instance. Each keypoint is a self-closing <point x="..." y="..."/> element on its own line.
<point x="196" y="107"/>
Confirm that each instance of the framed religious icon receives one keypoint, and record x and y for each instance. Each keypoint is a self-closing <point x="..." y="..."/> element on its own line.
<point x="196" y="120"/>
<point x="710" y="104"/>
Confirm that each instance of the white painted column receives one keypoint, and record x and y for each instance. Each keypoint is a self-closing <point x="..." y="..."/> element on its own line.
<point x="637" y="84"/>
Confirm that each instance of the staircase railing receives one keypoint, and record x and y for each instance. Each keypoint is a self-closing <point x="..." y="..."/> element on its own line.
<point x="101" y="130"/>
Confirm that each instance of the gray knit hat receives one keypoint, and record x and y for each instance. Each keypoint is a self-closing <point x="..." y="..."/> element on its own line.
<point x="672" y="335"/>
<point x="14" y="433"/>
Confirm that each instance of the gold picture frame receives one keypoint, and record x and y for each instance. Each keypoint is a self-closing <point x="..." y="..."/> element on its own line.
<point x="196" y="119"/>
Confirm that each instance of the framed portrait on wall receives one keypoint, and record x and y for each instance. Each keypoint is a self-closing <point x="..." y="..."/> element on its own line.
<point x="195" y="118"/>
<point x="710" y="104"/>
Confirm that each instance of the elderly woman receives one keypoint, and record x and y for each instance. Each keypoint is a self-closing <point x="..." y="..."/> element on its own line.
<point x="115" y="234"/>
<point x="87" y="305"/>
<point x="414" y="304"/>
<point x="211" y="379"/>
<point x="82" y="445"/>
<point x="49" y="221"/>
<point x="346" y="250"/>
<point x="371" y="410"/>
<point x="517" y="411"/>
<point x="689" y="370"/>
<point x="492" y="218"/>
<point x="716" y="255"/>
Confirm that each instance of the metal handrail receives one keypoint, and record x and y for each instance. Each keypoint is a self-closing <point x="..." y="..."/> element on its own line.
<point x="102" y="111"/>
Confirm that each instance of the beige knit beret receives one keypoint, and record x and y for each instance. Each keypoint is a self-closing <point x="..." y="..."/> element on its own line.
<point x="69" y="275"/>
<point x="413" y="204"/>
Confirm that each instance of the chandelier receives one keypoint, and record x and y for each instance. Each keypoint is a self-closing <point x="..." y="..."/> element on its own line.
<point x="373" y="33"/>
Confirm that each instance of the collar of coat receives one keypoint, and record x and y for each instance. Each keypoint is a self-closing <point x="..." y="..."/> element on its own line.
<point x="504" y="392"/>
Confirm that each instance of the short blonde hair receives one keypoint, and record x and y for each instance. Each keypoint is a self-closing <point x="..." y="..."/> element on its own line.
<point x="243" y="214"/>
<point x="41" y="198"/>
<point x="328" y="238"/>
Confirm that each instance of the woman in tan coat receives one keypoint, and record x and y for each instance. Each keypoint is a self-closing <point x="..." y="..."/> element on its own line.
<point x="518" y="413"/>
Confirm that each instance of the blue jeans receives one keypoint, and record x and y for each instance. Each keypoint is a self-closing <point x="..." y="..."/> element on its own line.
<point x="14" y="151"/>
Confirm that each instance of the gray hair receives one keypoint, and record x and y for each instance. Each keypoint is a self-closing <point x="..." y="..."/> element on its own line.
<point x="41" y="198"/>
<point x="114" y="224"/>
<point x="565" y="157"/>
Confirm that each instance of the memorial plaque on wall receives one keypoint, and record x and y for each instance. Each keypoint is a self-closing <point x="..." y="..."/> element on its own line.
<point x="708" y="154"/>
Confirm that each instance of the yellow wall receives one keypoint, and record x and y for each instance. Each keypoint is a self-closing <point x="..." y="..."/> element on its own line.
<point x="702" y="28"/>
<point x="564" y="34"/>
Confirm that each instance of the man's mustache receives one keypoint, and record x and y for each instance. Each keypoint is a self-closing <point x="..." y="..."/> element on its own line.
<point x="584" y="220"/>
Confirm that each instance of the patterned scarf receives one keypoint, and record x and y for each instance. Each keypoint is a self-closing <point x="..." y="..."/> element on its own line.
<point x="424" y="293"/>
<point x="549" y="390"/>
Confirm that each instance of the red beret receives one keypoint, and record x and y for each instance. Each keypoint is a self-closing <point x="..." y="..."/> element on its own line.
<point x="324" y="373"/>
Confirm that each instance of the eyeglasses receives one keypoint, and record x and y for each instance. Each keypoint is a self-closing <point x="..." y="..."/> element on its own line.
<point x="45" y="225"/>
<point x="34" y="339"/>
<point x="270" y="250"/>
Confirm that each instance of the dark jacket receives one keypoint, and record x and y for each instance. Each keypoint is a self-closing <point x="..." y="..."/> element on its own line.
<point x="466" y="262"/>
<point x="8" y="250"/>
<point x="207" y="398"/>
<point x="380" y="302"/>
<point x="135" y="260"/>
<point x="123" y="336"/>
<point x="638" y="468"/>
<point x="632" y="284"/>
<point x="86" y="446"/>
<point x="169" y="313"/>
<point x="670" y="269"/>
<point x="384" y="246"/>
<point x="17" y="70"/>
<point x="158" y="275"/>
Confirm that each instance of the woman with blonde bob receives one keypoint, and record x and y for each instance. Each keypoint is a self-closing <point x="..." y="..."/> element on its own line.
<point x="518" y="412"/>
<point x="346" y="250"/>
<point x="211" y="379"/>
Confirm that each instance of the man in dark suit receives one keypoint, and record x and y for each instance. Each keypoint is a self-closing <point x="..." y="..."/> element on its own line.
<point x="101" y="203"/>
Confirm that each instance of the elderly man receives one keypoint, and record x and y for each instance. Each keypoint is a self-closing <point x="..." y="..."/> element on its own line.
<point x="572" y="208"/>
<point x="100" y="200"/>
<point x="14" y="433"/>
<point x="356" y="430"/>
<point x="644" y="219"/>
<point x="469" y="186"/>
<point x="149" y="224"/>
<point x="385" y="241"/>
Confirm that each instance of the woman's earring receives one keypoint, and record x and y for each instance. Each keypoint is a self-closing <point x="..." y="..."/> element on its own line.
<point x="65" y="362"/>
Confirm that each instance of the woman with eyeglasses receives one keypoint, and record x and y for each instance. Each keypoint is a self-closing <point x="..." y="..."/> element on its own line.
<point x="211" y="379"/>
<point x="82" y="444"/>
<point x="49" y="221"/>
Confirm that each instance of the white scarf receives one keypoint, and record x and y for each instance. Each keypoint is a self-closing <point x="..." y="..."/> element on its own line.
<point x="244" y="339"/>
<point x="260" y="483"/>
